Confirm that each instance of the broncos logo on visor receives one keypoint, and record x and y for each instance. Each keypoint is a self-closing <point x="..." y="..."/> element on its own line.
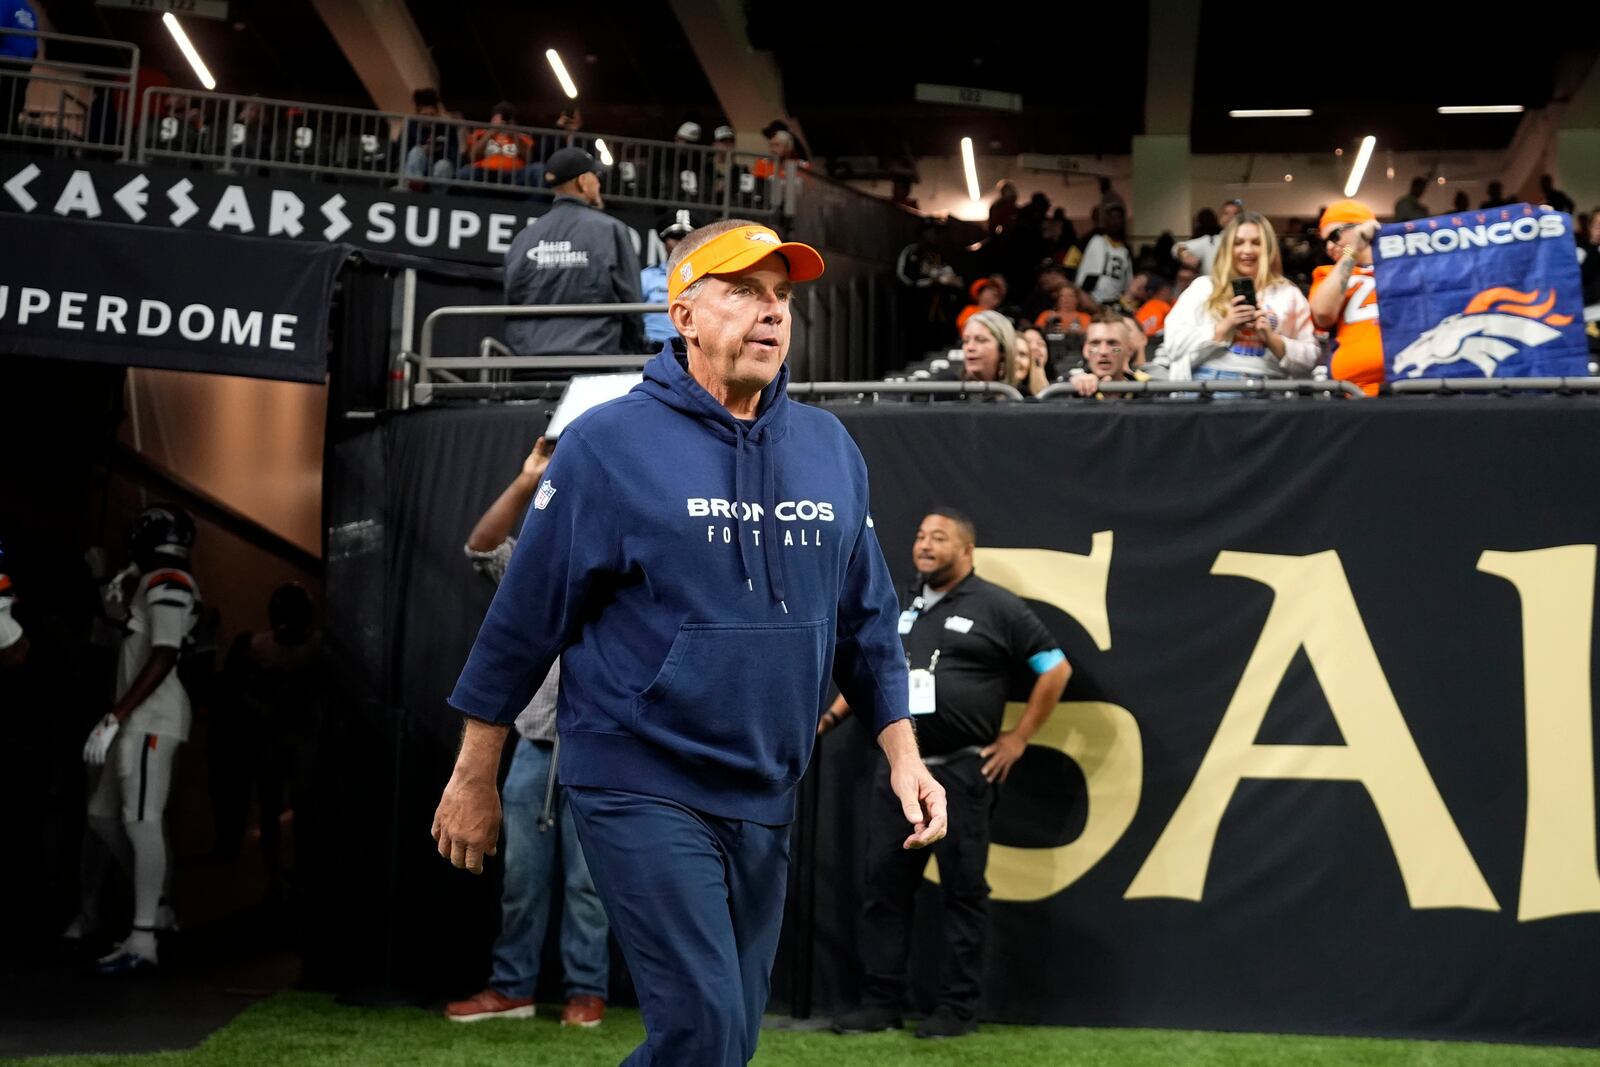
<point x="1497" y="324"/>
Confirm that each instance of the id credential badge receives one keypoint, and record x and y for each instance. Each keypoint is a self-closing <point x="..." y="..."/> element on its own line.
<point x="921" y="692"/>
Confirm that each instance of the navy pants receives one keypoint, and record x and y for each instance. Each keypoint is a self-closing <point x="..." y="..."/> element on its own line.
<point x="696" y="902"/>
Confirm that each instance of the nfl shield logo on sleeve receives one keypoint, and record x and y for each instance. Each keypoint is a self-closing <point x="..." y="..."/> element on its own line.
<point x="546" y="491"/>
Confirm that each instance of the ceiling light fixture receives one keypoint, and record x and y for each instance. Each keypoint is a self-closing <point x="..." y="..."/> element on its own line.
<point x="1484" y="109"/>
<point x="1271" y="113"/>
<point x="561" y="73"/>
<point x="188" y="51"/>
<point x="1359" y="170"/>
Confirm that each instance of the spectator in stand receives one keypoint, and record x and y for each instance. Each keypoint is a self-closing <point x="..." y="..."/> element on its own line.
<point x="1061" y="238"/>
<point x="1152" y="314"/>
<point x="1047" y="285"/>
<point x="574" y="254"/>
<point x="17" y="15"/>
<point x="724" y="169"/>
<point x="1006" y="207"/>
<point x="1107" y="263"/>
<point x="432" y="145"/>
<point x="1497" y="197"/>
<point x="1138" y="343"/>
<point x="1107" y="352"/>
<point x="987" y="294"/>
<point x="785" y="147"/>
<point x="1590" y="267"/>
<point x="498" y="154"/>
<point x="1549" y="194"/>
<point x="569" y="122"/>
<point x="1137" y="292"/>
<point x="782" y="143"/>
<point x="989" y="343"/>
<point x="1410" y="206"/>
<point x="1110" y="196"/>
<point x="1031" y="375"/>
<point x="1069" y="314"/>
<point x="658" y="327"/>
<point x="936" y="288"/>
<point x="1200" y="251"/>
<point x="1181" y="280"/>
<point x="1461" y="201"/>
<point x="1215" y="332"/>
<point x="1344" y="297"/>
<point x="691" y="174"/>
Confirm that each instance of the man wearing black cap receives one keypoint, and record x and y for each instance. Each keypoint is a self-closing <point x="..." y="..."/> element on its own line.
<point x="574" y="254"/>
<point x="653" y="280"/>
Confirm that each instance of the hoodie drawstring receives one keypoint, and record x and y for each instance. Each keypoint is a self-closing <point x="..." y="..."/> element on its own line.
<point x="769" y="479"/>
<point x="738" y="499"/>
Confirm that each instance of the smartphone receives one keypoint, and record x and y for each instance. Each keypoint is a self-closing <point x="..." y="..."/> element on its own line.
<point x="1245" y="287"/>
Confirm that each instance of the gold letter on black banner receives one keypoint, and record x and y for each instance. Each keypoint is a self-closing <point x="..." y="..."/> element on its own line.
<point x="1314" y="608"/>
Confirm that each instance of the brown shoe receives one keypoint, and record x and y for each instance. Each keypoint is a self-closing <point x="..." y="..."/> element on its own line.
<point x="489" y="1004"/>
<point x="584" y="1011"/>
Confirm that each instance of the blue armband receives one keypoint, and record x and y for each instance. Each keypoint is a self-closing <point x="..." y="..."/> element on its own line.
<point x="1043" y="661"/>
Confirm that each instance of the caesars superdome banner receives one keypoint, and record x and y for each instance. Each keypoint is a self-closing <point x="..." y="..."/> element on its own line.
<point x="170" y="299"/>
<point x="471" y="226"/>
<point x="1493" y="293"/>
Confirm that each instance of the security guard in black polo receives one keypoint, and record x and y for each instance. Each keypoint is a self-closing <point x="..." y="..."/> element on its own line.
<point x="965" y="640"/>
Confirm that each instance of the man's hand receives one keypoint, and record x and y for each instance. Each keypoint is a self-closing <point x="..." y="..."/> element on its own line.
<point x="539" y="459"/>
<point x="921" y="800"/>
<point x="1002" y="754"/>
<point x="98" y="746"/>
<point x="467" y="823"/>
<point x="1085" y="385"/>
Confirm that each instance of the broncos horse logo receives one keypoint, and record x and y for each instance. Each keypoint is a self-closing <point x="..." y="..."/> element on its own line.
<point x="1496" y="325"/>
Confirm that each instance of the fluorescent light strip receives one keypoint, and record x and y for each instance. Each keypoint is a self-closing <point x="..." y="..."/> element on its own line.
<point x="188" y="51"/>
<point x="971" y="166"/>
<point x="1359" y="171"/>
<point x="561" y="73"/>
<point x="1272" y="113"/>
<point x="1484" y="109"/>
<point x="605" y="153"/>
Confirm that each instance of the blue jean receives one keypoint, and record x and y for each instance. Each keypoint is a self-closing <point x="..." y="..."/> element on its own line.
<point x="419" y="164"/>
<point x="697" y="901"/>
<point x="530" y="858"/>
<point x="1204" y="373"/>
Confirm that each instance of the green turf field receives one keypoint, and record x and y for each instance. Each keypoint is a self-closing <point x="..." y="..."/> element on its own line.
<point x="305" y="1030"/>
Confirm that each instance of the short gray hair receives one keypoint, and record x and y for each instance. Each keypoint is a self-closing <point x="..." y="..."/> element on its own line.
<point x="697" y="238"/>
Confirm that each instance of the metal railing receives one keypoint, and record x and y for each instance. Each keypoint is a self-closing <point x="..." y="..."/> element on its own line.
<point x="77" y="93"/>
<point x="240" y="134"/>
<point x="869" y="390"/>
<point x="233" y="132"/>
<point x="1504" y="386"/>
<point x="415" y="376"/>
<point x="1206" y="388"/>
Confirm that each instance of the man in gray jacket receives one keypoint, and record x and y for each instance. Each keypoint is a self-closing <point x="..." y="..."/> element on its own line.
<point x="574" y="254"/>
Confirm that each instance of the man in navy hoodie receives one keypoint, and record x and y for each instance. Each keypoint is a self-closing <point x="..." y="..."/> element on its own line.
<point x="701" y="557"/>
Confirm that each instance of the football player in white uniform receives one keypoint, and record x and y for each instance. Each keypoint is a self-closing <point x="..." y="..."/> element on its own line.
<point x="135" y="746"/>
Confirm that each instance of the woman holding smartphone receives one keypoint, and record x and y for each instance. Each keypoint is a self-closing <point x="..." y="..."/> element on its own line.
<point x="1244" y="319"/>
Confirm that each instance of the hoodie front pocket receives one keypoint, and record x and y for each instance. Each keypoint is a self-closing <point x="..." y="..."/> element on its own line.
<point x="740" y="697"/>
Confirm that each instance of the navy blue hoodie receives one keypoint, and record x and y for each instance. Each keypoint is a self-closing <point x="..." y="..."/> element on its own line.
<point x="701" y="579"/>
